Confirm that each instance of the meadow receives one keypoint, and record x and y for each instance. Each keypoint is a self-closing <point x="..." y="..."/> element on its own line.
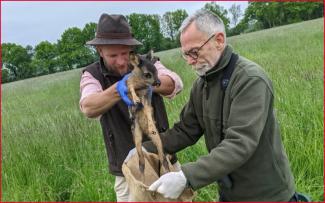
<point x="52" y="152"/>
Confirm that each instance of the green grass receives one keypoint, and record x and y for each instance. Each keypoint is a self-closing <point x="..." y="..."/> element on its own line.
<point x="51" y="152"/>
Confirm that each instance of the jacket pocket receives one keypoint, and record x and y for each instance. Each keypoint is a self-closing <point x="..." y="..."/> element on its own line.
<point x="111" y="151"/>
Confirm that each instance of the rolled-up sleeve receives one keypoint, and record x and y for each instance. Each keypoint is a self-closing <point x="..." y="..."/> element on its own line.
<point x="88" y="85"/>
<point x="163" y="71"/>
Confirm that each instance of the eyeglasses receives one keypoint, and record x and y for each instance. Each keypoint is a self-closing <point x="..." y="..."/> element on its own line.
<point x="194" y="53"/>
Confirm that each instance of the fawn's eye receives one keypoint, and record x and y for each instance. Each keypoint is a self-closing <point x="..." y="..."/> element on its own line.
<point x="147" y="75"/>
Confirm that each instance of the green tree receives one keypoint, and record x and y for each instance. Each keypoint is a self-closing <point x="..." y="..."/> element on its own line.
<point x="5" y="75"/>
<point x="172" y="21"/>
<point x="146" y="29"/>
<point x="46" y="56"/>
<point x="39" y="67"/>
<point x="264" y="12"/>
<point x="89" y="32"/>
<point x="304" y="10"/>
<point x="72" y="50"/>
<point x="30" y="51"/>
<point x="71" y="39"/>
<point x="17" y="60"/>
<point x="235" y="12"/>
<point x="270" y="14"/>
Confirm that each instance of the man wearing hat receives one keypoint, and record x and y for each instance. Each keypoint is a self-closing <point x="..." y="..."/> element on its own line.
<point x="102" y="84"/>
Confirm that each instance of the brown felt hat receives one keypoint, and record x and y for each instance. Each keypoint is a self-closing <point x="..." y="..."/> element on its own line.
<point x="113" y="29"/>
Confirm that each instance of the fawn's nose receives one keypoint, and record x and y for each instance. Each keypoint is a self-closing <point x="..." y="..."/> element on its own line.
<point x="156" y="83"/>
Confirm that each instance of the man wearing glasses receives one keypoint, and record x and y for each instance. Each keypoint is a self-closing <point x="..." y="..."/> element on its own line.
<point x="235" y="113"/>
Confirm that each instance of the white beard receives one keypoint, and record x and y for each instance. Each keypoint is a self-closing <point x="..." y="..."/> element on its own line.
<point x="202" y="69"/>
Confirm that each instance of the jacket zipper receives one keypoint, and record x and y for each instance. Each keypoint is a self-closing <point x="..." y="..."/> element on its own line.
<point x="206" y="87"/>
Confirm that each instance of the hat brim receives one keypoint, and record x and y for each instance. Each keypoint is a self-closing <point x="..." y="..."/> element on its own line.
<point x="102" y="41"/>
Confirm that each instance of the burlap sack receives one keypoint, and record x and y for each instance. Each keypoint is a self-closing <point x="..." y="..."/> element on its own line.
<point x="138" y="184"/>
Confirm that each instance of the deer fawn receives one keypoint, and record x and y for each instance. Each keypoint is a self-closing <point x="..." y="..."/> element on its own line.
<point x="144" y="74"/>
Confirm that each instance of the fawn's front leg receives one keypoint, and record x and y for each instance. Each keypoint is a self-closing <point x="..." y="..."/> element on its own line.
<point x="134" y="96"/>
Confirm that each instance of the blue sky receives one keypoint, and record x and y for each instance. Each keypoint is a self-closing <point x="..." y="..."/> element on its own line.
<point x="28" y="23"/>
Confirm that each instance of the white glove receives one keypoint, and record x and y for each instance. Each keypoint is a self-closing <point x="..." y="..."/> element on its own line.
<point x="133" y="152"/>
<point x="171" y="185"/>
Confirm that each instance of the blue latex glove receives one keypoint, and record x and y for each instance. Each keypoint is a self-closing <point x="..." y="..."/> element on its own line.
<point x="122" y="90"/>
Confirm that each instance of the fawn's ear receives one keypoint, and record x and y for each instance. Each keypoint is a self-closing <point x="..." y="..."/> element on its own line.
<point x="134" y="59"/>
<point x="149" y="55"/>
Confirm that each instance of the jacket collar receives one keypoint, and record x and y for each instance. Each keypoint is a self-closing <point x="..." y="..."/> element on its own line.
<point x="222" y="63"/>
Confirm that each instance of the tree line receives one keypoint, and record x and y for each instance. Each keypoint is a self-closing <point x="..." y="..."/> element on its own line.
<point x="154" y="31"/>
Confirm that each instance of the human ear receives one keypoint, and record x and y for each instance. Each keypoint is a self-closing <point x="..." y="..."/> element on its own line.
<point x="220" y="40"/>
<point x="99" y="50"/>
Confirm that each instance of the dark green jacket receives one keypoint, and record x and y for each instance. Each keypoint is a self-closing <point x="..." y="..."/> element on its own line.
<point x="252" y="152"/>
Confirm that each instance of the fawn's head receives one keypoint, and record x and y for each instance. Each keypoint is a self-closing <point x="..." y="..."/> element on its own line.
<point x="143" y="67"/>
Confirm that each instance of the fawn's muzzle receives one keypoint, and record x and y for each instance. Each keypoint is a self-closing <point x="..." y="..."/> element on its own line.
<point x="156" y="83"/>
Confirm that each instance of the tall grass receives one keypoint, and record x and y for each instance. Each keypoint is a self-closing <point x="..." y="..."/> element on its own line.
<point x="51" y="152"/>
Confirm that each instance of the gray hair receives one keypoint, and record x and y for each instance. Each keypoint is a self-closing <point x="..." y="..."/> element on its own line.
<point x="205" y="21"/>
